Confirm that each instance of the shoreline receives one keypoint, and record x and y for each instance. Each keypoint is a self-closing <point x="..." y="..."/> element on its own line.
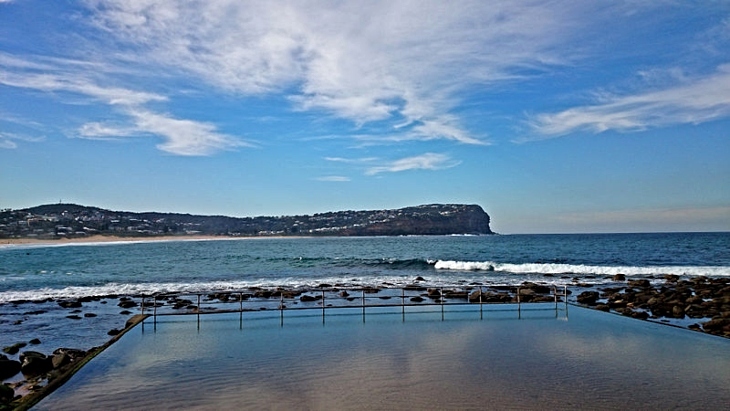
<point x="102" y="239"/>
<point x="98" y="314"/>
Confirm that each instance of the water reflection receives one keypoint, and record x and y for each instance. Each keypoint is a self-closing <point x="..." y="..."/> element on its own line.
<point x="593" y="360"/>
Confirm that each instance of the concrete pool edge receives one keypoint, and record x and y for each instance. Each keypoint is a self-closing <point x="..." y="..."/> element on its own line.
<point x="28" y="401"/>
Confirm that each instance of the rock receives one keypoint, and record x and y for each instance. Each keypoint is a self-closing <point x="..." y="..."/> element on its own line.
<point x="639" y="283"/>
<point x="308" y="298"/>
<point x="73" y="317"/>
<point x="344" y="294"/>
<point x="34" y="341"/>
<point x="641" y="315"/>
<point x="89" y="315"/>
<point x="419" y="278"/>
<point x="588" y="297"/>
<point x="8" y="368"/>
<point x="433" y="292"/>
<point x="417" y="299"/>
<point x="60" y="359"/>
<point x="13" y="349"/>
<point x="677" y="311"/>
<point x="6" y="394"/>
<point x="34" y="363"/>
<point x="113" y="331"/>
<point x="70" y="304"/>
<point x="475" y="296"/>
<point x="715" y="324"/>
<point x="603" y="307"/>
<point x="127" y="304"/>
<point x="619" y="277"/>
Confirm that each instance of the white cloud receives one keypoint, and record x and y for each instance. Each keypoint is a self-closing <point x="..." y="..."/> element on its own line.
<point x="181" y="136"/>
<point x="184" y="137"/>
<point x="351" y="160"/>
<point x="405" y="62"/>
<point x="691" y="102"/>
<point x="337" y="179"/>
<point x="78" y="84"/>
<point x="428" y="161"/>
<point x="8" y="140"/>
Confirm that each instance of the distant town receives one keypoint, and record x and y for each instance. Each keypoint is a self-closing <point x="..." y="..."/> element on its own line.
<point x="58" y="221"/>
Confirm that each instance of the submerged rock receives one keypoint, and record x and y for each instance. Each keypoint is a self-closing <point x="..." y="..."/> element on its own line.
<point x="8" y="367"/>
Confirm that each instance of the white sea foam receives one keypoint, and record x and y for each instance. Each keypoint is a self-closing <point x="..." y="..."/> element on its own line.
<point x="548" y="268"/>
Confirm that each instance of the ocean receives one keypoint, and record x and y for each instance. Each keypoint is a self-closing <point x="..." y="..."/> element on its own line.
<point x="37" y="272"/>
<point x="34" y="278"/>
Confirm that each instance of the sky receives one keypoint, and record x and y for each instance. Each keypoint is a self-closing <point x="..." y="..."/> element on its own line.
<point x="554" y="116"/>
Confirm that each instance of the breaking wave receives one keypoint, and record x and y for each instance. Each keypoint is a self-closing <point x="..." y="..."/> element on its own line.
<point x="552" y="268"/>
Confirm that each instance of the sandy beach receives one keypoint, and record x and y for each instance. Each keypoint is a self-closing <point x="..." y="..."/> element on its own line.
<point x="123" y="239"/>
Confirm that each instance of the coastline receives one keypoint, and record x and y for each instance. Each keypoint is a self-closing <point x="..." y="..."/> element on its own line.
<point x="100" y="239"/>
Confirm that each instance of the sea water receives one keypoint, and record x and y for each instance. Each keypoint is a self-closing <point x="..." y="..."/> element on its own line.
<point x="37" y="272"/>
<point x="42" y="275"/>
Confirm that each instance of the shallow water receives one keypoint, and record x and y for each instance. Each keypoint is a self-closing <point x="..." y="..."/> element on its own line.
<point x="536" y="358"/>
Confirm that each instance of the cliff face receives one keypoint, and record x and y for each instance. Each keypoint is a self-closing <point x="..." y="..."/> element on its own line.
<point x="434" y="219"/>
<point x="71" y="220"/>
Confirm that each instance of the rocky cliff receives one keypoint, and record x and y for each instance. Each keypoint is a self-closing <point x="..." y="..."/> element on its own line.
<point x="71" y="220"/>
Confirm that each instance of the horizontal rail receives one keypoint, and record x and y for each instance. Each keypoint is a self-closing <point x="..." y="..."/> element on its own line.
<point x="323" y="298"/>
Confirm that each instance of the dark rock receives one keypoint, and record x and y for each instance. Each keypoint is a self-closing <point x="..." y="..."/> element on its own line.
<point x="603" y="307"/>
<point x="419" y="278"/>
<point x="60" y="359"/>
<point x="73" y="317"/>
<point x="308" y="298"/>
<point x="34" y="341"/>
<point x="13" y="349"/>
<point x="417" y="299"/>
<point x="6" y="393"/>
<point x="641" y="315"/>
<point x="344" y="294"/>
<point x="89" y="315"/>
<point x="8" y="368"/>
<point x="127" y="304"/>
<point x="716" y="324"/>
<point x="70" y="304"/>
<point x="588" y="297"/>
<point x="619" y="277"/>
<point x="639" y="283"/>
<point x="34" y="363"/>
<point x="113" y="331"/>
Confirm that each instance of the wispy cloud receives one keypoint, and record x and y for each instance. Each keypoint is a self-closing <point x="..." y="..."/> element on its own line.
<point x="379" y="61"/>
<point x="428" y="161"/>
<point x="181" y="136"/>
<point x="691" y="102"/>
<point x="336" y="179"/>
<point x="185" y="137"/>
<point x="9" y="140"/>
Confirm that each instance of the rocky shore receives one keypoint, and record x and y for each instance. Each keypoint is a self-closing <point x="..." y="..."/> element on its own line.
<point x="29" y="371"/>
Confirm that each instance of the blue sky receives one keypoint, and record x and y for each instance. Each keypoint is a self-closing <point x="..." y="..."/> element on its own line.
<point x="555" y="116"/>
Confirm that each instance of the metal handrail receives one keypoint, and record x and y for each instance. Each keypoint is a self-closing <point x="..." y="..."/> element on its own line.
<point x="442" y="299"/>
